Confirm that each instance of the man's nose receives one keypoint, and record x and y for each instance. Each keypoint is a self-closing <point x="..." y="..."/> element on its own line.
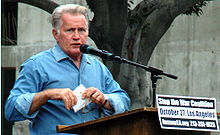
<point x="76" y="34"/>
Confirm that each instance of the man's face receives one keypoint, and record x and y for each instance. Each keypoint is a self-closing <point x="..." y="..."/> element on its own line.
<point x="73" y="33"/>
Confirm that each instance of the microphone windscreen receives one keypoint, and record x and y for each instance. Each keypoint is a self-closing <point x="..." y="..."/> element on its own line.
<point x="83" y="48"/>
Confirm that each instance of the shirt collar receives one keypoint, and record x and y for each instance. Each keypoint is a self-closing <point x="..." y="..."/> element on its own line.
<point x="85" y="59"/>
<point x="59" y="55"/>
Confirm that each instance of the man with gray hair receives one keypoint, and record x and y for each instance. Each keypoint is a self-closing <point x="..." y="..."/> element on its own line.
<point x="44" y="91"/>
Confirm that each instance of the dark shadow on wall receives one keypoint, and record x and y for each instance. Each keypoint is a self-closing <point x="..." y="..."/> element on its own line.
<point x="7" y="82"/>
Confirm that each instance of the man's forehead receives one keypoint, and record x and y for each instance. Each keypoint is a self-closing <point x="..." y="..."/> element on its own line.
<point x="73" y="18"/>
<point x="73" y="15"/>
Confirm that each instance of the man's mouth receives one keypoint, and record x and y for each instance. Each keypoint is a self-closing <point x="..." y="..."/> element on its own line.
<point x="76" y="44"/>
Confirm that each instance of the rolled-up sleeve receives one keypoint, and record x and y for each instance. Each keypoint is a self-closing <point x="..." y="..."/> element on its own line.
<point x="119" y="104"/>
<point x="117" y="97"/>
<point x="26" y="86"/>
<point x="23" y="104"/>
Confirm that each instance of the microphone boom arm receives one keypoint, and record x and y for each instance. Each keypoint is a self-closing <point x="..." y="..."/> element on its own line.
<point x="147" y="68"/>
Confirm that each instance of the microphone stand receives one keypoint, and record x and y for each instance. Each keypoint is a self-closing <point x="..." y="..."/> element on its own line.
<point x="155" y="73"/>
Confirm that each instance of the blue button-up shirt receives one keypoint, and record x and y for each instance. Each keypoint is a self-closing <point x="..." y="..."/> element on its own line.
<point x="55" y="69"/>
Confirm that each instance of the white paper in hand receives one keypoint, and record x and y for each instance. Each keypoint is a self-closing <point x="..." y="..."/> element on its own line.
<point x="80" y="102"/>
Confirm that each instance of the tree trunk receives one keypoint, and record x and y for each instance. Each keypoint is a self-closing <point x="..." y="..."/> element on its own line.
<point x="140" y="48"/>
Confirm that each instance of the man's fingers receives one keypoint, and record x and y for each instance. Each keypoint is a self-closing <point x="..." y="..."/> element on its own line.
<point x="73" y="99"/>
<point x="99" y="100"/>
<point x="69" y="99"/>
<point x="66" y="102"/>
<point x="94" y="94"/>
<point x="90" y="91"/>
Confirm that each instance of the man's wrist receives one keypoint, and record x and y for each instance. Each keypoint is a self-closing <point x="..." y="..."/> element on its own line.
<point x="106" y="100"/>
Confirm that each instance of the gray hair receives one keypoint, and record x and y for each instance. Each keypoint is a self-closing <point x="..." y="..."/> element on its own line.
<point x="68" y="8"/>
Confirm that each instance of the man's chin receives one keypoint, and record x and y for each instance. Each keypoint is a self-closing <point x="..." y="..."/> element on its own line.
<point x="74" y="54"/>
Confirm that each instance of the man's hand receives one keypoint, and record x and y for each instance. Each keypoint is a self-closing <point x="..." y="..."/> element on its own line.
<point x="97" y="97"/>
<point x="65" y="94"/>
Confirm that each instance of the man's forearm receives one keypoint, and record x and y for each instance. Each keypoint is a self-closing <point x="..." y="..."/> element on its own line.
<point x="39" y="99"/>
<point x="64" y="94"/>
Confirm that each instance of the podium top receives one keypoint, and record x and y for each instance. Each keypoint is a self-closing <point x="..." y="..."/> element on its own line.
<point x="76" y="128"/>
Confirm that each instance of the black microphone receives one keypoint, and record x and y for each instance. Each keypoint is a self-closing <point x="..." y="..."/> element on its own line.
<point x="101" y="53"/>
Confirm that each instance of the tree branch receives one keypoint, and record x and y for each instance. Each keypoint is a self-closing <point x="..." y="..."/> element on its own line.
<point x="109" y="23"/>
<point x="46" y="5"/>
<point x="156" y="25"/>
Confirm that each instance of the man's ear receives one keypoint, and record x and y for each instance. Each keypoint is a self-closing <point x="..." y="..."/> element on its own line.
<point x="55" y="34"/>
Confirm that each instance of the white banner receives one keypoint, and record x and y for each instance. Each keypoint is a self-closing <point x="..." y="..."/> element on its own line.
<point x="187" y="113"/>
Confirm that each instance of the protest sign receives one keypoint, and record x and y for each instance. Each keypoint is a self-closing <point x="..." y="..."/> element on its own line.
<point x="187" y="113"/>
